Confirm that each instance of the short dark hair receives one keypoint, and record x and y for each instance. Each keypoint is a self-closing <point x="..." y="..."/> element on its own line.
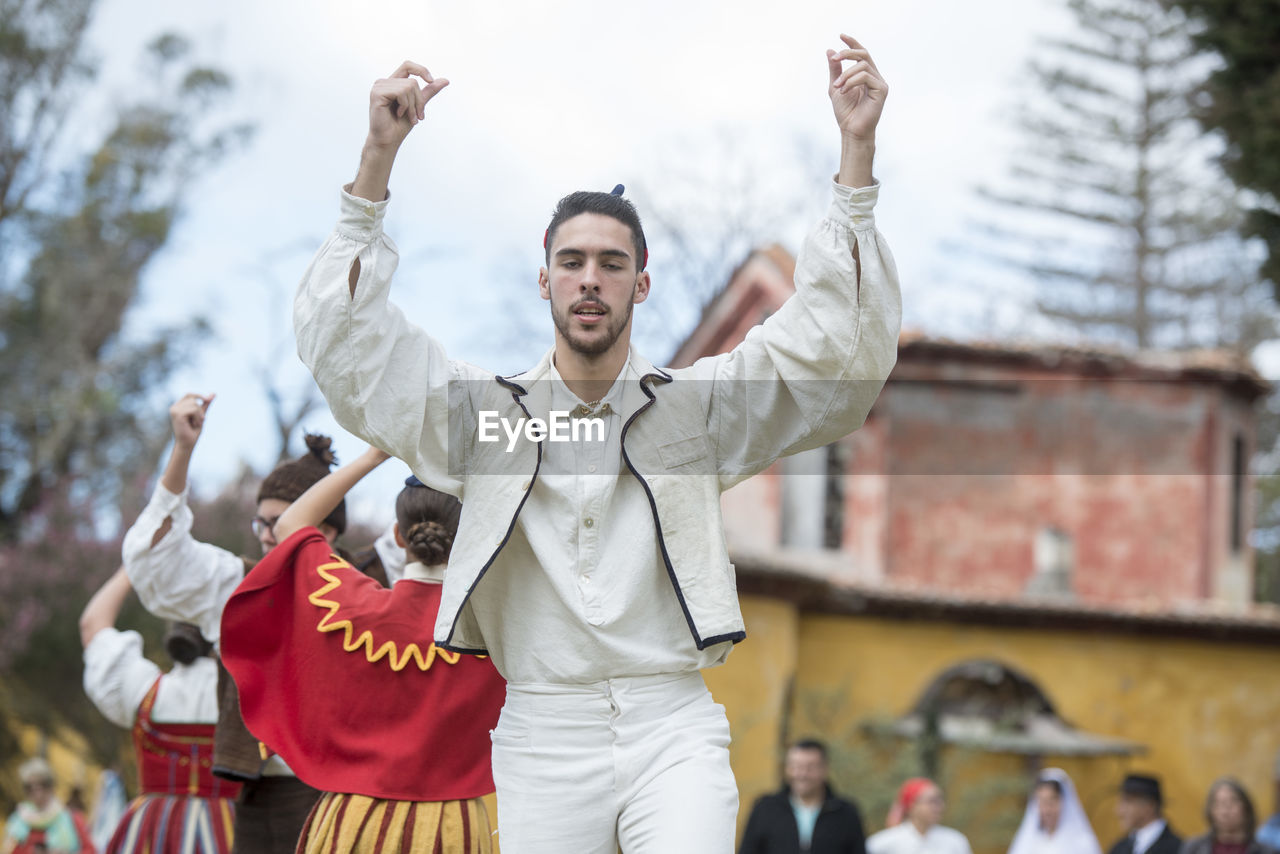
<point x="1250" y="817"/>
<point x="811" y="744"/>
<point x="606" y="204"/>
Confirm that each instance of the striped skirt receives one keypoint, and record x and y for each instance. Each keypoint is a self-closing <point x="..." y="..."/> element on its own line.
<point x="356" y="823"/>
<point x="174" y="824"/>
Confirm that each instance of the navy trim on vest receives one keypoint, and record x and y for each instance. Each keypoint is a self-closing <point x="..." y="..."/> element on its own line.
<point x="516" y="392"/>
<point x="653" y="506"/>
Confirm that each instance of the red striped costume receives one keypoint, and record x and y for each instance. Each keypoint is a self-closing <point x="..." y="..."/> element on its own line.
<point x="339" y="675"/>
<point x="183" y="808"/>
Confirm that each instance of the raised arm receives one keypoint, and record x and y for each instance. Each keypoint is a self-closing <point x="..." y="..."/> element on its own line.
<point x="857" y="96"/>
<point x="373" y="366"/>
<point x="104" y="607"/>
<point x="176" y="576"/>
<point x="811" y="372"/>
<point x="318" y="502"/>
<point x="396" y="104"/>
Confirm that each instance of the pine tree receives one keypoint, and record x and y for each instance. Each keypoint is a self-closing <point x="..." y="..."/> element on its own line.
<point x="1116" y="209"/>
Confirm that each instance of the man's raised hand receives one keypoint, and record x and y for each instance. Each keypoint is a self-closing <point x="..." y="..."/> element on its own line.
<point x="187" y="417"/>
<point x="398" y="102"/>
<point x="857" y="91"/>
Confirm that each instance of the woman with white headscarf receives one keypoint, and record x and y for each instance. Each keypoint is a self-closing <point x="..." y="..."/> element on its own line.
<point x="1054" y="822"/>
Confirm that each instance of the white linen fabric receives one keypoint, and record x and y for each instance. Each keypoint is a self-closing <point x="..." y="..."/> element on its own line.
<point x="640" y="764"/>
<point x="805" y="377"/>
<point x="117" y="677"/>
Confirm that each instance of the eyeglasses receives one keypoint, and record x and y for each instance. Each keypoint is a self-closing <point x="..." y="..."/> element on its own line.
<point x="261" y="525"/>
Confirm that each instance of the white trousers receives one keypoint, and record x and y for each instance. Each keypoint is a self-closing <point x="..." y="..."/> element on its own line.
<point x="639" y="763"/>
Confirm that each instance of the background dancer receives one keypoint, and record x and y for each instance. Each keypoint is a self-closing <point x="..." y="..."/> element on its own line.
<point x="182" y="808"/>
<point x="180" y="578"/>
<point x="411" y="723"/>
<point x="595" y="572"/>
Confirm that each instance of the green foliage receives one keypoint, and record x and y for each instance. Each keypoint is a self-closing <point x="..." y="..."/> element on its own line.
<point x="1241" y="98"/>
<point x="84" y="208"/>
<point x="73" y="246"/>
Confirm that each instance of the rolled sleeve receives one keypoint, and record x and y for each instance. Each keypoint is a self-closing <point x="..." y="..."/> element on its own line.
<point x="117" y="676"/>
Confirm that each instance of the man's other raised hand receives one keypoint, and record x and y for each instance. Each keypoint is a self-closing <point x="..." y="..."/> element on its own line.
<point x="398" y="102"/>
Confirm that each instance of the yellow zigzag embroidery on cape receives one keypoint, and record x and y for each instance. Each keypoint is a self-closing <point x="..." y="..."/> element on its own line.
<point x="352" y="642"/>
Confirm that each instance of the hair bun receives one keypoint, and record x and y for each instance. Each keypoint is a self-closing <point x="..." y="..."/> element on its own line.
<point x="321" y="447"/>
<point x="430" y="542"/>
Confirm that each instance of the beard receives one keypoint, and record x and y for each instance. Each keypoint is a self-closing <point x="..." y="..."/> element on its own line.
<point x="596" y="342"/>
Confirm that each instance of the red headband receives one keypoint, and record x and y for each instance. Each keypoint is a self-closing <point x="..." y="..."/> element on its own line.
<point x="907" y="795"/>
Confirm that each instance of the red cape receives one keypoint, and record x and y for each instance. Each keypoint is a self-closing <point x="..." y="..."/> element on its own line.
<point x="339" y="676"/>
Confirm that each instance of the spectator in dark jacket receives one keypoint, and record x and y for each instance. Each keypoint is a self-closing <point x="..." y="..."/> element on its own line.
<point x="806" y="815"/>
<point x="1141" y="811"/>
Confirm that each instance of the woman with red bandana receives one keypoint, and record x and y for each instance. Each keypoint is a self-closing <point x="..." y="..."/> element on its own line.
<point x="339" y="675"/>
<point x="915" y="824"/>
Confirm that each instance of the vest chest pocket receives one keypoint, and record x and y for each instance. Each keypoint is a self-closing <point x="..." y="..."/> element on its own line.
<point x="681" y="452"/>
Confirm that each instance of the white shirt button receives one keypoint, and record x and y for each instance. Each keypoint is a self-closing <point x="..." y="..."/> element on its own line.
<point x="524" y="487"/>
<point x="588" y="522"/>
<point x="586" y="579"/>
<point x="591" y="468"/>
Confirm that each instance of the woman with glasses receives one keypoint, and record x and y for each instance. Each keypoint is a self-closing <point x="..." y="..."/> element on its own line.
<point x="43" y="824"/>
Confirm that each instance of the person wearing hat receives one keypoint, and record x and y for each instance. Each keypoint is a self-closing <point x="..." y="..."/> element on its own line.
<point x="1140" y="810"/>
<point x="182" y="807"/>
<point x="411" y="777"/>
<point x="591" y="565"/>
<point x="179" y="578"/>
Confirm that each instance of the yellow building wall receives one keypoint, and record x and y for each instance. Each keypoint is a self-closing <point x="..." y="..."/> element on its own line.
<point x="1203" y="708"/>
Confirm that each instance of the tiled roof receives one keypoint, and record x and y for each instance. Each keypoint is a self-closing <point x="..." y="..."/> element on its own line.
<point x="803" y="578"/>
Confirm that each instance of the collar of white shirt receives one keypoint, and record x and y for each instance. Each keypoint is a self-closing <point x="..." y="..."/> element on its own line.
<point x="561" y="390"/>
<point x="1147" y="836"/>
<point x="421" y="572"/>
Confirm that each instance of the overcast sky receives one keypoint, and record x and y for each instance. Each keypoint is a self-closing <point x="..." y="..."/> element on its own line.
<point x="549" y="97"/>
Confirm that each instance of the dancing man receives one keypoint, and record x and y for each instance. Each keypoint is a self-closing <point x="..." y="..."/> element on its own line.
<point x="594" y="570"/>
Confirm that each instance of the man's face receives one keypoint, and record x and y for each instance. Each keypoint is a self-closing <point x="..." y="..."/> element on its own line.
<point x="592" y="283"/>
<point x="805" y="772"/>
<point x="1135" y="813"/>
